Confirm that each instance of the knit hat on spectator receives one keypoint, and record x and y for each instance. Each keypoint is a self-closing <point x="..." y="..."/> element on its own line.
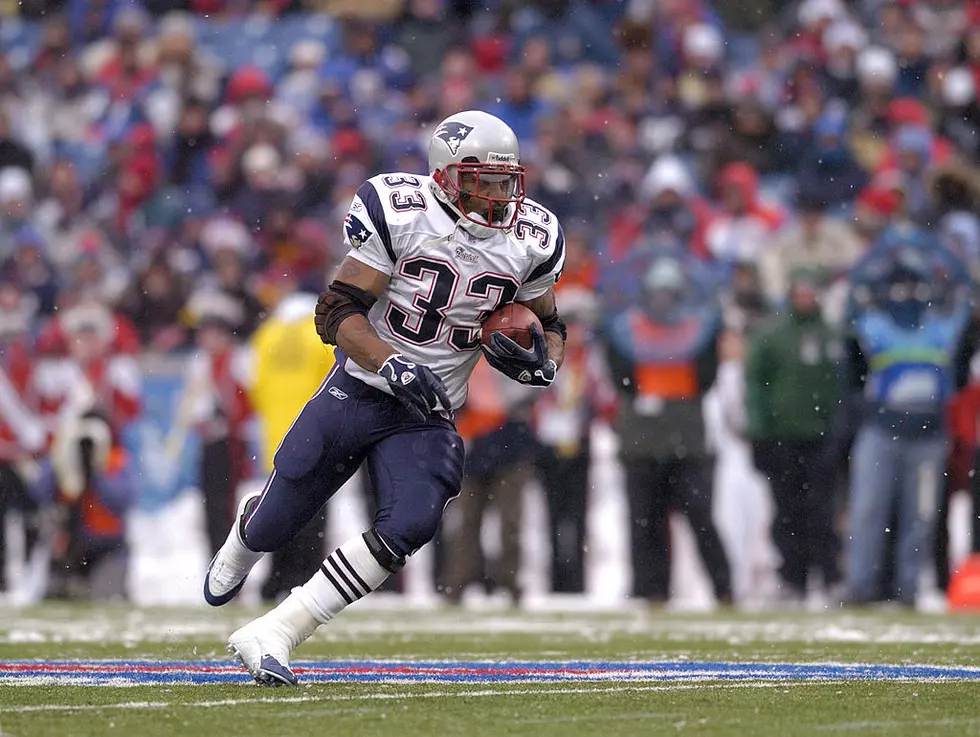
<point x="88" y="316"/>
<point x="844" y="34"/>
<point x="667" y="173"/>
<point x="813" y="12"/>
<point x="212" y="308"/>
<point x="260" y="163"/>
<point x="880" y="202"/>
<point x="307" y="54"/>
<point x="703" y="45"/>
<point x="15" y="185"/>
<point x="907" y="111"/>
<point x="877" y="67"/>
<point x="247" y="82"/>
<point x="959" y="88"/>
<point x="225" y="234"/>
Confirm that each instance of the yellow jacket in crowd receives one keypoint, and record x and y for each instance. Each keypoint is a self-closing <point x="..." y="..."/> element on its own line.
<point x="289" y="363"/>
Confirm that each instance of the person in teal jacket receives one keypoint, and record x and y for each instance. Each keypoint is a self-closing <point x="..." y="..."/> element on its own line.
<point x="909" y="349"/>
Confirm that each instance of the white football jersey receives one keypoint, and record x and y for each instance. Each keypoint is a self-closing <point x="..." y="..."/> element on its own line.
<point x="444" y="281"/>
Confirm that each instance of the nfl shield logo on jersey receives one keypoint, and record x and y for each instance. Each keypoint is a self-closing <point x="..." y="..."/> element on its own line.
<point x="453" y="134"/>
<point x="357" y="233"/>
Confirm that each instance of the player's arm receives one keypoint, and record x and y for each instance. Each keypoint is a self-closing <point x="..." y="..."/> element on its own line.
<point x="342" y="320"/>
<point x="537" y="365"/>
<point x="554" y="328"/>
<point x="342" y="314"/>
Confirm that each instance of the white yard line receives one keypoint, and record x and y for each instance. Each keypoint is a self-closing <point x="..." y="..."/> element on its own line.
<point x="918" y="723"/>
<point x="396" y="696"/>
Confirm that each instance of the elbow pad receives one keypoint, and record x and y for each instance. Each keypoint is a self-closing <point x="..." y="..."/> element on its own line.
<point x="554" y="324"/>
<point x="335" y="305"/>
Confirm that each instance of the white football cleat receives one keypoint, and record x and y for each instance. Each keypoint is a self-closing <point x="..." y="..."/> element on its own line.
<point x="231" y="564"/>
<point x="264" y="644"/>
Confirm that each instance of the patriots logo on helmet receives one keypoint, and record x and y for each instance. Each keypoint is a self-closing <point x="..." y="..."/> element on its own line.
<point x="356" y="231"/>
<point x="453" y="134"/>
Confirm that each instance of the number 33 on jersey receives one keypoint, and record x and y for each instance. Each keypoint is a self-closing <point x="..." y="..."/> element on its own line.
<point x="443" y="280"/>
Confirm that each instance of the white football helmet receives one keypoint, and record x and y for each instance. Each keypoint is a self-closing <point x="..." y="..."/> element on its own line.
<point x="474" y="160"/>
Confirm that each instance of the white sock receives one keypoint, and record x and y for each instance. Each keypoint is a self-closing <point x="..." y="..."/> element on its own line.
<point x="235" y="552"/>
<point x="348" y="573"/>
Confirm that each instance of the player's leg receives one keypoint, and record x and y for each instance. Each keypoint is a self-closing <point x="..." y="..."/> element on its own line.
<point x="319" y="452"/>
<point x="414" y="475"/>
<point x="415" y="470"/>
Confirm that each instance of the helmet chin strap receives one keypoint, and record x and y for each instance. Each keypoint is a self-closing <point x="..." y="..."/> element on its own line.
<point x="476" y="229"/>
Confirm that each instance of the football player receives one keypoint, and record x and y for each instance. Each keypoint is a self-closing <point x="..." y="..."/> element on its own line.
<point x="430" y="258"/>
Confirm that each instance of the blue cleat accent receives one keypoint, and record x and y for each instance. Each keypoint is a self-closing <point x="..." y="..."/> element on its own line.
<point x="274" y="673"/>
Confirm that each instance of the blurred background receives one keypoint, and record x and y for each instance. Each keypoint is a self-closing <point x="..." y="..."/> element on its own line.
<point x="769" y="397"/>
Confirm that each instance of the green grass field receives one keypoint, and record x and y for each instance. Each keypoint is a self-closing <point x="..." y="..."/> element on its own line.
<point x="688" y="692"/>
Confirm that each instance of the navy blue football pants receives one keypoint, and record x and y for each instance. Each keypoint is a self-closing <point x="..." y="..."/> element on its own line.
<point x="416" y="467"/>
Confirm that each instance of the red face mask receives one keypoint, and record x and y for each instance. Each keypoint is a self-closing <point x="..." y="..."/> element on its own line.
<point x="484" y="192"/>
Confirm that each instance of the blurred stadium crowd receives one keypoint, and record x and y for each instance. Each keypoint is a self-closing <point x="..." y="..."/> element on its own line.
<point x="173" y="173"/>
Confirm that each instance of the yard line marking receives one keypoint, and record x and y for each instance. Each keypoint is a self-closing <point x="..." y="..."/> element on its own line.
<point x="157" y="672"/>
<point x="380" y="696"/>
<point x="854" y="726"/>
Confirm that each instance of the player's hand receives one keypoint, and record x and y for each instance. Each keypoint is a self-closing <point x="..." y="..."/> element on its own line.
<point x="414" y="385"/>
<point x="530" y="366"/>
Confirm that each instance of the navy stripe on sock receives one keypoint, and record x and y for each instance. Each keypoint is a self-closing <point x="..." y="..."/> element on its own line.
<point x="343" y="559"/>
<point x="340" y="572"/>
<point x="340" y="589"/>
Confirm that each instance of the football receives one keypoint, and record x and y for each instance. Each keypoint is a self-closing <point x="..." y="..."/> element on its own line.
<point x="512" y="320"/>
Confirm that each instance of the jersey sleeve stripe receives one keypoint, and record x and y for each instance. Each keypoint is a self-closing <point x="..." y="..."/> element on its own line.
<point x="372" y="203"/>
<point x="557" y="256"/>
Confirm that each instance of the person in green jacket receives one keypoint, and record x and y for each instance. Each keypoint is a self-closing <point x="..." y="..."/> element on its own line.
<point x="790" y="394"/>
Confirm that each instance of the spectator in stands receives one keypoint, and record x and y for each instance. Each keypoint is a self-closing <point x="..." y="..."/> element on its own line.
<point x="154" y="304"/>
<point x="814" y="240"/>
<point x="741" y="230"/>
<point x="827" y="170"/>
<point x="742" y="299"/>
<point x="86" y="489"/>
<point x="13" y="154"/>
<point x="61" y="216"/>
<point x="960" y="112"/>
<point x="662" y="354"/>
<point x="788" y="427"/>
<point x="229" y="249"/>
<point x="16" y="205"/>
<point x="216" y="392"/>
<point x="88" y="359"/>
<point x="22" y="433"/>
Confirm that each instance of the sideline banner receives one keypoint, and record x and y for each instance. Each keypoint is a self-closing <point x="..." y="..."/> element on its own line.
<point x="161" y="442"/>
